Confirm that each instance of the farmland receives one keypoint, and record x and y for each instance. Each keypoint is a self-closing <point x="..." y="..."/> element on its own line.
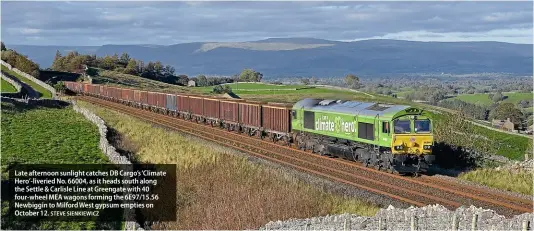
<point x="220" y="190"/>
<point x="42" y="91"/>
<point x="286" y="93"/>
<point x="484" y="99"/>
<point x="7" y="87"/>
<point x="39" y="135"/>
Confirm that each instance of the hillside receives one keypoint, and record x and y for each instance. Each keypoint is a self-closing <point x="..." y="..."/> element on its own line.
<point x="316" y="57"/>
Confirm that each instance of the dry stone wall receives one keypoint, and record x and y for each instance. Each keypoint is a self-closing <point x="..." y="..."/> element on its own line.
<point x="15" y="84"/>
<point x="431" y="217"/>
<point x="41" y="83"/>
<point x="112" y="155"/>
<point x="12" y="82"/>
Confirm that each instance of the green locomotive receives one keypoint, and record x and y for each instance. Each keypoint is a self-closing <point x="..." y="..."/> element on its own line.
<point x="397" y="138"/>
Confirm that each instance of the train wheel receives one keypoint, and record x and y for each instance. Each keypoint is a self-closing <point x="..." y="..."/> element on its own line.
<point x="378" y="166"/>
<point x="391" y="169"/>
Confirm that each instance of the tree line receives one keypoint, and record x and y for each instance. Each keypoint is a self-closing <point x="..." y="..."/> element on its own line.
<point x="155" y="70"/>
<point x="19" y="61"/>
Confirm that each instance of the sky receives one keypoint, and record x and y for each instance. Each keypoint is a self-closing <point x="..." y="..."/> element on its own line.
<point x="164" y="23"/>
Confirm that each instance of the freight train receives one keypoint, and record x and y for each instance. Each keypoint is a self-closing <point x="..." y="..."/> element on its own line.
<point x="394" y="138"/>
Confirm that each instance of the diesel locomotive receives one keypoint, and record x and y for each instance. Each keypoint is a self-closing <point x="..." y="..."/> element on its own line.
<point x="394" y="138"/>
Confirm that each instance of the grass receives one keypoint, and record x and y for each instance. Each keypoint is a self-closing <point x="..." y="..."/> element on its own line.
<point x="7" y="87"/>
<point x="38" y="135"/>
<point x="44" y="93"/>
<point x="520" y="182"/>
<point x="131" y="81"/>
<point x="483" y="99"/>
<point x="217" y="190"/>
<point x="283" y="93"/>
<point x="287" y="93"/>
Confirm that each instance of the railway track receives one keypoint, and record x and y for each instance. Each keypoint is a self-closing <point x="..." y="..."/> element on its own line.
<point x="419" y="191"/>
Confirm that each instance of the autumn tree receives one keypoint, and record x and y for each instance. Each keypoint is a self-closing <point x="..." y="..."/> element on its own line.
<point x="314" y="80"/>
<point x="507" y="110"/>
<point x="352" y="81"/>
<point x="221" y="89"/>
<point x="202" y="81"/>
<point x="124" y="59"/>
<point x="249" y="75"/>
<point x="496" y="97"/>
<point x="182" y="80"/>
<point x="305" y="81"/>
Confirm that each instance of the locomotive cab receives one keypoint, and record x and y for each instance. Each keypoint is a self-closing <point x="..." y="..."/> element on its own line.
<point x="412" y="141"/>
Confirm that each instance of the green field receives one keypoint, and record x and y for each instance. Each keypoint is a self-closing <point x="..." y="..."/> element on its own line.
<point x="7" y="87"/>
<point x="44" y="93"/>
<point x="286" y="93"/>
<point x="37" y="135"/>
<point x="483" y="99"/>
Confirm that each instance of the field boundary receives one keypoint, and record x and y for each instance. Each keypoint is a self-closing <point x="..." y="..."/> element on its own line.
<point x="110" y="151"/>
<point x="31" y="78"/>
<point x="343" y="89"/>
<point x="15" y="84"/>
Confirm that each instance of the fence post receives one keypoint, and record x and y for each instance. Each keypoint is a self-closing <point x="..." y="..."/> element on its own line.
<point x="380" y="224"/>
<point x="345" y="225"/>
<point x="413" y="223"/>
<point x="474" y="222"/>
<point x="525" y="225"/>
<point x="454" y="222"/>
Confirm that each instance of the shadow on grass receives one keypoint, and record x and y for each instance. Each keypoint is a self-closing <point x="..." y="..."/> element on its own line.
<point x="13" y="106"/>
<point x="453" y="160"/>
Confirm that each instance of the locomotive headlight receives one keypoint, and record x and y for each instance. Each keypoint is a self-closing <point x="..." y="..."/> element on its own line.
<point x="427" y="147"/>
<point x="399" y="147"/>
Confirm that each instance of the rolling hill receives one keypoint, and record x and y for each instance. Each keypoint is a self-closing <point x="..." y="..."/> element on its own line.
<point x="278" y="57"/>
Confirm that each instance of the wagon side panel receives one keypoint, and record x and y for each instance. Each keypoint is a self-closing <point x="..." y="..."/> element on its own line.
<point x="171" y="102"/>
<point x="212" y="107"/>
<point x="250" y="114"/>
<point x="229" y="111"/>
<point x="276" y="118"/>
<point x="196" y="105"/>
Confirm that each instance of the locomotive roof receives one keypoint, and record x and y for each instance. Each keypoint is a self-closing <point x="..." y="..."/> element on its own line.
<point x="350" y="107"/>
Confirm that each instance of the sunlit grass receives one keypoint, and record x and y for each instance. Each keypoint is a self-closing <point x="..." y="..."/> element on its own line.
<point x="217" y="190"/>
<point x="514" y="181"/>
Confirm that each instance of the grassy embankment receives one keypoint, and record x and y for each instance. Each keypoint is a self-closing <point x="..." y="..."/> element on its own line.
<point x="38" y="135"/>
<point x="44" y="93"/>
<point x="114" y="78"/>
<point x="217" y="190"/>
<point x="7" y="87"/>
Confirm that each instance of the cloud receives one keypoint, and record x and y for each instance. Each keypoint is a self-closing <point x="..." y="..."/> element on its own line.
<point x="26" y="31"/>
<point x="510" y="35"/>
<point x="98" y="23"/>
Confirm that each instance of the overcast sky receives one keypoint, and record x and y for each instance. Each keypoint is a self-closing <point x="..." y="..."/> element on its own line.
<point x="98" y="23"/>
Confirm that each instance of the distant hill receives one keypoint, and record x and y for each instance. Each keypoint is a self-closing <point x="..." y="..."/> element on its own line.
<point x="277" y="57"/>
